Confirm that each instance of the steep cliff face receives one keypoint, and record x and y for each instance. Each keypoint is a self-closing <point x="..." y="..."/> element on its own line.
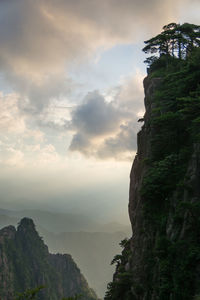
<point x="143" y="237"/>
<point x="165" y="257"/>
<point x="162" y="259"/>
<point x="26" y="263"/>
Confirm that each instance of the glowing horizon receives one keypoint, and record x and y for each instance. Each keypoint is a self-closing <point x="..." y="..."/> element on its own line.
<point x="71" y="94"/>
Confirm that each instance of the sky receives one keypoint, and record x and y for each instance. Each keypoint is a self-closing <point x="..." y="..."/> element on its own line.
<point x="71" y="94"/>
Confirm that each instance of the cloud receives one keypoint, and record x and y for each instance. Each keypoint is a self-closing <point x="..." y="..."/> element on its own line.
<point x="95" y="116"/>
<point x="123" y="145"/>
<point x="109" y="129"/>
<point x="40" y="40"/>
<point x="93" y="120"/>
<point x="19" y="143"/>
<point x="46" y="156"/>
<point x="12" y="158"/>
<point x="39" y="35"/>
<point x="11" y="120"/>
<point x="37" y="96"/>
<point x="22" y="155"/>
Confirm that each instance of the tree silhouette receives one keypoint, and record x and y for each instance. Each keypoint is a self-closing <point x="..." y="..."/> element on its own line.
<point x="175" y="40"/>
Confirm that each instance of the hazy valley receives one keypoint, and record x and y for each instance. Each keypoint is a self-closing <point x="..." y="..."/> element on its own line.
<point x="91" y="245"/>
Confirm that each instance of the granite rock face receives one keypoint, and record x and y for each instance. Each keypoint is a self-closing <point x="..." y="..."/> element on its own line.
<point x="151" y="246"/>
<point x="25" y="263"/>
<point x="143" y="236"/>
<point x="161" y="261"/>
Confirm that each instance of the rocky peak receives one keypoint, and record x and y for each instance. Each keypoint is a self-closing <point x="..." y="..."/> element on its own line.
<point x="25" y="263"/>
<point x="8" y="232"/>
<point x="26" y="224"/>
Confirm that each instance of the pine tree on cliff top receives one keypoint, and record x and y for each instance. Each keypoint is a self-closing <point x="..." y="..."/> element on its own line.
<point x="175" y="40"/>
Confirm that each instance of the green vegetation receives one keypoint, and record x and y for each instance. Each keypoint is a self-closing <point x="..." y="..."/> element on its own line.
<point x="27" y="263"/>
<point x="175" y="41"/>
<point x="29" y="294"/>
<point x="122" y="282"/>
<point x="167" y="193"/>
<point x="174" y="128"/>
<point x="72" y="298"/>
<point x="32" y="294"/>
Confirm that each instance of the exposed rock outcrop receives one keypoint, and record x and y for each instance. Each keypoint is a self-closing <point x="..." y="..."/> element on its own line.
<point x="151" y="246"/>
<point x="25" y="263"/>
<point x="161" y="261"/>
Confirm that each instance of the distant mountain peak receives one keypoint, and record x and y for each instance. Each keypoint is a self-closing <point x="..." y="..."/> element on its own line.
<point x="26" y="224"/>
<point x="25" y="263"/>
<point x="8" y="232"/>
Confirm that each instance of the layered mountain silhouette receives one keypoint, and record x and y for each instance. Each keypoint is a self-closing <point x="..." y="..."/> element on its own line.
<point x="26" y="263"/>
<point x="92" y="251"/>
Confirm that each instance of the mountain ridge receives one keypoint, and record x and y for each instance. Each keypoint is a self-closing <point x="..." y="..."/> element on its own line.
<point x="92" y="251"/>
<point x="26" y="263"/>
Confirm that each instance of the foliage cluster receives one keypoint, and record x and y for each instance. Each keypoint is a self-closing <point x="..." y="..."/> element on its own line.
<point x="28" y="263"/>
<point x="31" y="294"/>
<point x="174" y="130"/>
<point x="176" y="40"/>
<point x="122" y="282"/>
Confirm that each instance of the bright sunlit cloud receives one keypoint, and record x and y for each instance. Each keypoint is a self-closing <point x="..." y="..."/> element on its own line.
<point x="71" y="93"/>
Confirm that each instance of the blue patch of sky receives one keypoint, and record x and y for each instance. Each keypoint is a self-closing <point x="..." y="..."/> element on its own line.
<point x="121" y="60"/>
<point x="107" y="70"/>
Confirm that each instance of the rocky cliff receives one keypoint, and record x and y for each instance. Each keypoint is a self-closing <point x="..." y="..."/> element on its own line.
<point x="92" y="251"/>
<point x="162" y="259"/>
<point x="25" y="263"/>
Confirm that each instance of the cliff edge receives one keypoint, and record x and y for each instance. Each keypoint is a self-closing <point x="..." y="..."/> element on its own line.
<point x="25" y="263"/>
<point x="161" y="261"/>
